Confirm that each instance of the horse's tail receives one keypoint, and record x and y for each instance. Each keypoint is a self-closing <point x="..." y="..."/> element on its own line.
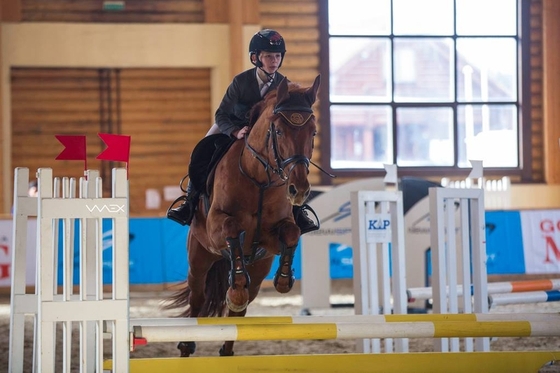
<point x="215" y="296"/>
<point x="179" y="299"/>
<point x="217" y="284"/>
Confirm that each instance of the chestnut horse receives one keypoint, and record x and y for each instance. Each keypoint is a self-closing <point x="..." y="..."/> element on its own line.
<point x="245" y="219"/>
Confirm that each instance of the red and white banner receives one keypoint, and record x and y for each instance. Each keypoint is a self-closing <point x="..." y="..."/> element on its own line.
<point x="6" y="251"/>
<point x="541" y="241"/>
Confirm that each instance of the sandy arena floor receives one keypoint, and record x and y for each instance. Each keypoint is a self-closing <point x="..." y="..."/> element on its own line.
<point x="270" y="302"/>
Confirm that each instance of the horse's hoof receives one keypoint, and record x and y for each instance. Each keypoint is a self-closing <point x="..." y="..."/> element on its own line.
<point x="223" y="353"/>
<point x="237" y="301"/>
<point x="186" y="348"/>
<point x="280" y="280"/>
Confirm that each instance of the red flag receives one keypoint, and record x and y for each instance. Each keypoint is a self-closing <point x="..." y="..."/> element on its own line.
<point x="74" y="147"/>
<point x="118" y="147"/>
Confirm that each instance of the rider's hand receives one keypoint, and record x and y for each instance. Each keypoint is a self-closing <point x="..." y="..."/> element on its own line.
<point x="241" y="133"/>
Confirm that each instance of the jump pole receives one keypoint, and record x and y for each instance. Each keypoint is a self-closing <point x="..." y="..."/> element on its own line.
<point x="165" y="329"/>
<point x="331" y="331"/>
<point x="457" y="362"/>
<point x="423" y="293"/>
<point x="526" y="297"/>
<point x="467" y="362"/>
<point x="552" y="317"/>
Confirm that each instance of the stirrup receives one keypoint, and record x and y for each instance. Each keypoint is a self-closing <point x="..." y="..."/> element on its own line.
<point x="310" y="225"/>
<point x="184" y="190"/>
<point x="174" y="213"/>
<point x="180" y="198"/>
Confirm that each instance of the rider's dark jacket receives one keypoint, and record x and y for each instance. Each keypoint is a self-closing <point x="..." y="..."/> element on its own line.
<point x="241" y="95"/>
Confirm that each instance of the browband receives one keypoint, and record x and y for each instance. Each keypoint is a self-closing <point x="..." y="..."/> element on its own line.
<point x="295" y="115"/>
<point x="296" y="118"/>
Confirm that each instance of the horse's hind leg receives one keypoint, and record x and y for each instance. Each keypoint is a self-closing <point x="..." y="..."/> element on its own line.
<point x="200" y="262"/>
<point x="284" y="277"/>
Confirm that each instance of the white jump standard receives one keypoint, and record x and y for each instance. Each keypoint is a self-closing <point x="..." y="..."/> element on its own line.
<point x="88" y="306"/>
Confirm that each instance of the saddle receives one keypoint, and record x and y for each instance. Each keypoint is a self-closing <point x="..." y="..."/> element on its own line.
<point x="204" y="158"/>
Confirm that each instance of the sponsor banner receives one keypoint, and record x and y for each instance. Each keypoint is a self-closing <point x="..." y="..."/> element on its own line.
<point x="341" y="265"/>
<point x="173" y="249"/>
<point x="504" y="245"/>
<point x="378" y="228"/>
<point x="157" y="251"/>
<point x="517" y="243"/>
<point x="541" y="241"/>
<point x="6" y="251"/>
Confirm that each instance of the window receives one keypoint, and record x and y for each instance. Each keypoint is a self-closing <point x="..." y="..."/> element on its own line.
<point x="427" y="85"/>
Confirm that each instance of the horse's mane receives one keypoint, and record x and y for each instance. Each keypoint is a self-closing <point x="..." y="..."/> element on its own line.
<point x="268" y="102"/>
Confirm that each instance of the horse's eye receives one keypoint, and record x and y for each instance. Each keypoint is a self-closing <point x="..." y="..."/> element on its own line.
<point x="314" y="133"/>
<point x="278" y="133"/>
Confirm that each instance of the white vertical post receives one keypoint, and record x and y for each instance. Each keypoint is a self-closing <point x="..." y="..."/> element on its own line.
<point x="443" y="203"/>
<point x="47" y="281"/>
<point x="398" y="260"/>
<point x="466" y="266"/>
<point x="480" y="274"/>
<point x="91" y="230"/>
<point x="372" y="282"/>
<point x="451" y="264"/>
<point x="439" y="267"/>
<point x="21" y="303"/>
<point x="121" y="337"/>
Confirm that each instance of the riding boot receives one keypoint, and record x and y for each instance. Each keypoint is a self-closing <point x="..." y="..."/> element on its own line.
<point x="185" y="212"/>
<point x="303" y="221"/>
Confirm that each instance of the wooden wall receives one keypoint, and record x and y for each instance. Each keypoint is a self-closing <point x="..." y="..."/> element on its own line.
<point x="137" y="11"/>
<point x="551" y="89"/>
<point x="47" y="102"/>
<point x="536" y="104"/>
<point x="296" y="20"/>
<point x="50" y="101"/>
<point x="165" y="111"/>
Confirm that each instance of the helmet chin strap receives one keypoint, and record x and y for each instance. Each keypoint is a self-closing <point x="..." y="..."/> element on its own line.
<point x="269" y="76"/>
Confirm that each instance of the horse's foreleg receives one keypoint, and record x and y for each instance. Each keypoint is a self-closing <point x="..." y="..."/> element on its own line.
<point x="284" y="277"/>
<point x="258" y="270"/>
<point x="237" y="296"/>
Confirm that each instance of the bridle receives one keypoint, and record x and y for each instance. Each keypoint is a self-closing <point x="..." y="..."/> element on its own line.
<point x="281" y="163"/>
<point x="279" y="169"/>
<point x="283" y="167"/>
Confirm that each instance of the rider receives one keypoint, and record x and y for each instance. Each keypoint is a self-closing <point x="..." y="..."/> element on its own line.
<point x="266" y="52"/>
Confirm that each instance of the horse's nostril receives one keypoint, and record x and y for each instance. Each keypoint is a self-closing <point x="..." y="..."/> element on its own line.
<point x="293" y="190"/>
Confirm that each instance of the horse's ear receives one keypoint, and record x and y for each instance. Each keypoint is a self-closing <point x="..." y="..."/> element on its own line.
<point x="312" y="91"/>
<point x="282" y="92"/>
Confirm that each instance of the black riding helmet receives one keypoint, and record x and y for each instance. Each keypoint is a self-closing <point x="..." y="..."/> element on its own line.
<point x="269" y="41"/>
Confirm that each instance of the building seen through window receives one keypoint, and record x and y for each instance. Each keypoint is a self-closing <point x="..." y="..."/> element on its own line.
<point x="431" y="83"/>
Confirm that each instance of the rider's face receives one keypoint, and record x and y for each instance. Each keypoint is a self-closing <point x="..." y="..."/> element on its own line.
<point x="271" y="61"/>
